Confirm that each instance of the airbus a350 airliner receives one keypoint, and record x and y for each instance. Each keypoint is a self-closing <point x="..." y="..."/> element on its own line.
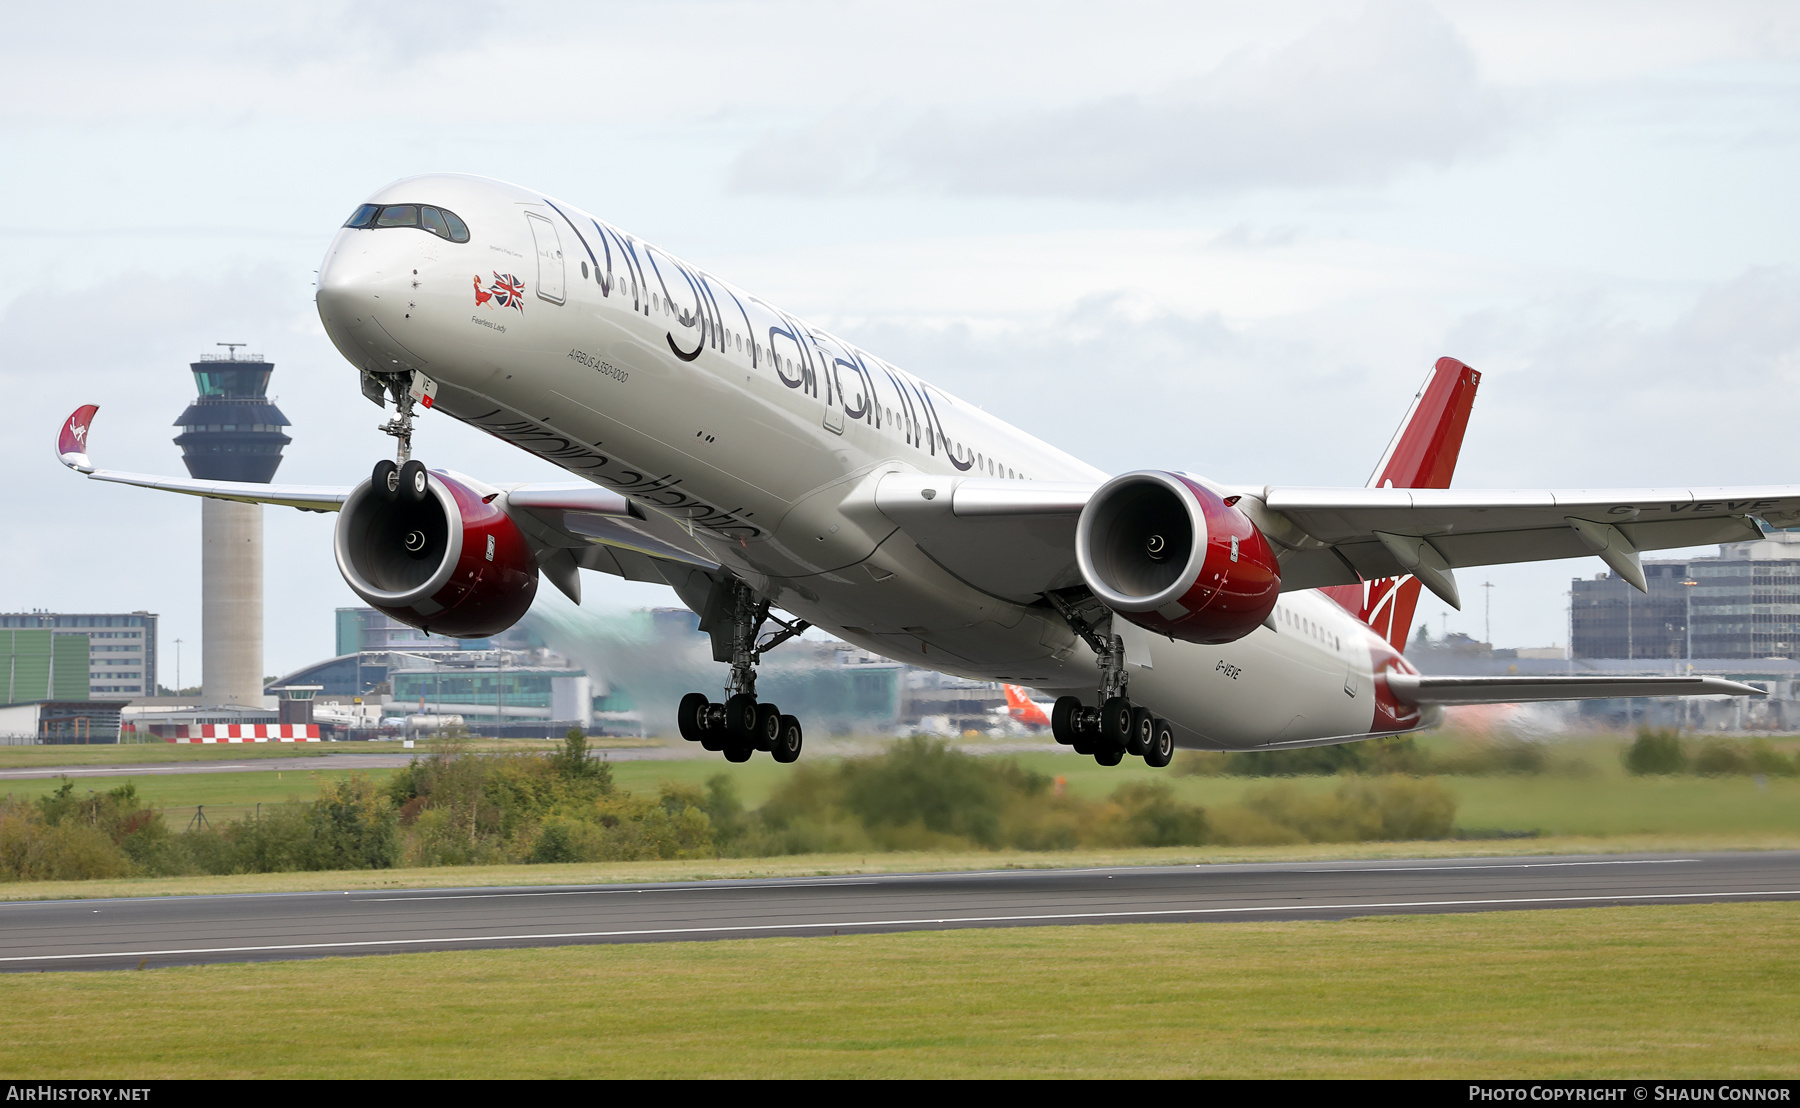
<point x="778" y="477"/>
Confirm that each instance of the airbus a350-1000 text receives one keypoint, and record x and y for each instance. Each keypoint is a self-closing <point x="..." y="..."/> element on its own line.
<point x="778" y="477"/>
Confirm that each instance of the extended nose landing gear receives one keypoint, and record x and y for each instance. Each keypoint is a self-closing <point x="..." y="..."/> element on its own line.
<point x="1115" y="728"/>
<point x="743" y="725"/>
<point x="403" y="479"/>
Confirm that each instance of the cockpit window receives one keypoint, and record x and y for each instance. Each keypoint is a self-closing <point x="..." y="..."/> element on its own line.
<point x="444" y="224"/>
<point x="398" y="215"/>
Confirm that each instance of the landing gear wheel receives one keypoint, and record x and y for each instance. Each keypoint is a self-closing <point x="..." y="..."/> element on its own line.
<point x="414" y="482"/>
<point x="1142" y="724"/>
<point x="1162" y="745"/>
<point x="787" y="746"/>
<point x="1115" y="723"/>
<point x="1063" y="716"/>
<point x="768" y="726"/>
<point x="739" y="752"/>
<point x="712" y="740"/>
<point x="740" y="722"/>
<point x="1111" y="756"/>
<point x="689" y="716"/>
<point x="386" y="479"/>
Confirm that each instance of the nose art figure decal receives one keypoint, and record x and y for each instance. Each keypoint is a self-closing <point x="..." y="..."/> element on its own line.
<point x="505" y="291"/>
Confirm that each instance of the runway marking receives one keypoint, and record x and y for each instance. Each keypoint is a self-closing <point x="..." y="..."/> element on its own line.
<point x="614" y="892"/>
<point x="1505" y="865"/>
<point x="839" y="924"/>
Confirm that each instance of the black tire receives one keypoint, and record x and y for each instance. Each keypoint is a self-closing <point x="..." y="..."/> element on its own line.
<point x="1142" y="723"/>
<point x="1063" y="716"/>
<point x="690" y="716"/>
<point x="787" y="747"/>
<point x="740" y="720"/>
<point x="738" y="752"/>
<point x="768" y="726"/>
<point x="1083" y="744"/>
<point x="1109" y="756"/>
<point x="386" y="479"/>
<point x="414" y="482"/>
<point x="1161" y="750"/>
<point x="1115" y="723"/>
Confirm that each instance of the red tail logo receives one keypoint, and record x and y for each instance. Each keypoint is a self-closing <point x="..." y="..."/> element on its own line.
<point x="1422" y="455"/>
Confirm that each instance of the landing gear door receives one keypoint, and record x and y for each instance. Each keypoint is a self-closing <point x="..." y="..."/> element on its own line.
<point x="549" y="257"/>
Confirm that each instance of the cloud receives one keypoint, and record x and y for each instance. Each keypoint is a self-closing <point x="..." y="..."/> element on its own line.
<point x="1352" y="100"/>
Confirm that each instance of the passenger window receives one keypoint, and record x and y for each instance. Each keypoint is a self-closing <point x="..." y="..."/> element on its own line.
<point x="398" y="215"/>
<point x="433" y="222"/>
<point x="362" y="215"/>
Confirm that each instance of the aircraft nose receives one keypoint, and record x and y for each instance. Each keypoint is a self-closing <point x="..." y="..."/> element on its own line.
<point x="360" y="285"/>
<point x="353" y="282"/>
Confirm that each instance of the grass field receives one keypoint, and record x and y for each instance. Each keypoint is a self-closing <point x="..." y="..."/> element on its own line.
<point x="1603" y="801"/>
<point x="1691" y="991"/>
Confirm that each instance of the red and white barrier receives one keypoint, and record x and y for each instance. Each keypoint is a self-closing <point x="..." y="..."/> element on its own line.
<point x="238" y="732"/>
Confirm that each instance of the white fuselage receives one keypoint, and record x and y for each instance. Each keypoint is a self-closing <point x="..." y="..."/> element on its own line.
<point x="755" y="440"/>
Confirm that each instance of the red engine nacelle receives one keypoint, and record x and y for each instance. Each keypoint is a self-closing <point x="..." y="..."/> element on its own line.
<point x="1170" y="555"/>
<point x="451" y="564"/>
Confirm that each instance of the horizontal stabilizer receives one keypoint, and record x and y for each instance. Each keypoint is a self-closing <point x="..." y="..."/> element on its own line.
<point x="1412" y="688"/>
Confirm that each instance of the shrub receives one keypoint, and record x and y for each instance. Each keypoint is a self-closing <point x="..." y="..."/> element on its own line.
<point x="1655" y="752"/>
<point x="33" y="848"/>
<point x="1359" y="810"/>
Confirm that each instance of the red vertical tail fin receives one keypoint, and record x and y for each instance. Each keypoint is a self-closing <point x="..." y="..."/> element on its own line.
<point x="1422" y="455"/>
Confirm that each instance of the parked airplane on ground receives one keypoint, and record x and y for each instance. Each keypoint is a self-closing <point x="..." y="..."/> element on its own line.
<point x="1020" y="708"/>
<point x="759" y="465"/>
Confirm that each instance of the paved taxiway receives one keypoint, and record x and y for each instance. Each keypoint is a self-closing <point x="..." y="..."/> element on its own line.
<point x="113" y="934"/>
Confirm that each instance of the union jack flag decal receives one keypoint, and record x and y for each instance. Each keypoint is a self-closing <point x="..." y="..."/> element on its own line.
<point x="505" y="291"/>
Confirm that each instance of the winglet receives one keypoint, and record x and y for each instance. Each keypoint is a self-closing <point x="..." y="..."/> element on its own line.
<point x="71" y="445"/>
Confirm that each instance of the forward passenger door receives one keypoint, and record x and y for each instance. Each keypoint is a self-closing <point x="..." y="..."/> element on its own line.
<point x="549" y="257"/>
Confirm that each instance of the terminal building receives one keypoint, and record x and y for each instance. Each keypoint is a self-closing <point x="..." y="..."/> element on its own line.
<point x="65" y="677"/>
<point x="539" y="679"/>
<point x="1743" y="604"/>
<point x="77" y="656"/>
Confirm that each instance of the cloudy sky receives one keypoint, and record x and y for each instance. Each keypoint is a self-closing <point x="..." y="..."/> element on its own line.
<point x="1221" y="237"/>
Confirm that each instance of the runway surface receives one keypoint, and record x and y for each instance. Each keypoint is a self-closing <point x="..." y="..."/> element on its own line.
<point x="156" y="931"/>
<point x="296" y="764"/>
<point x="668" y="753"/>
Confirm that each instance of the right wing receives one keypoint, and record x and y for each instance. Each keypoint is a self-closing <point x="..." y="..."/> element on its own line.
<point x="570" y="524"/>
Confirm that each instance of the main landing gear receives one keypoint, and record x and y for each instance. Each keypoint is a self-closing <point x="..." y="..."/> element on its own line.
<point x="1117" y="727"/>
<point x="743" y="725"/>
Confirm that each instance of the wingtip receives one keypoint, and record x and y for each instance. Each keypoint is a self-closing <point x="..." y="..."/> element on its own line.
<point x="72" y="443"/>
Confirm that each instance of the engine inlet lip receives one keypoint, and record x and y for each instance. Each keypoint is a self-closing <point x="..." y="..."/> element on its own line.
<point x="445" y="569"/>
<point x="1091" y="518"/>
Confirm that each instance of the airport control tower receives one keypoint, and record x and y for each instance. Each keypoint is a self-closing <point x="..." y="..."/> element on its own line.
<point x="231" y="433"/>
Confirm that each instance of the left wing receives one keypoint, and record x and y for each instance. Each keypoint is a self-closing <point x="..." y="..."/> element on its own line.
<point x="1016" y="539"/>
<point x="1341" y="536"/>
